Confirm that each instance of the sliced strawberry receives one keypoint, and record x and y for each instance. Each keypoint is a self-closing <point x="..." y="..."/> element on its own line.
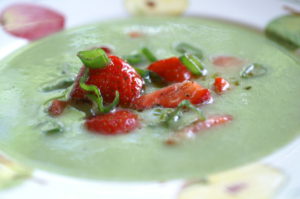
<point x="171" y="70"/>
<point x="57" y="107"/>
<point x="197" y="127"/>
<point x="221" y="85"/>
<point x="119" y="122"/>
<point x="171" y="96"/>
<point x="226" y="61"/>
<point x="31" y="21"/>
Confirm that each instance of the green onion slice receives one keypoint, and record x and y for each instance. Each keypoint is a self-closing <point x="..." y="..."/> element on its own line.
<point x="174" y="116"/>
<point x="193" y="64"/>
<point x="142" y="72"/>
<point x="148" y="54"/>
<point x="253" y="70"/>
<point x="187" y="48"/>
<point x="134" y="58"/>
<point x="63" y="96"/>
<point x="95" y="58"/>
<point x="96" y="96"/>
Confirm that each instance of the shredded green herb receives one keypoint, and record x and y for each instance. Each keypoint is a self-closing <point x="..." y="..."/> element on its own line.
<point x="187" y="48"/>
<point x="61" y="83"/>
<point x="51" y="127"/>
<point x="134" y="59"/>
<point x="95" y="94"/>
<point x="63" y="96"/>
<point x="150" y="76"/>
<point x="175" y="115"/>
<point x="248" y="87"/>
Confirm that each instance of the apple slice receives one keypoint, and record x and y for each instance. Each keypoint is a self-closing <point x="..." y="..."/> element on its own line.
<point x="11" y="172"/>
<point x="255" y="181"/>
<point x="31" y="21"/>
<point x="156" y="7"/>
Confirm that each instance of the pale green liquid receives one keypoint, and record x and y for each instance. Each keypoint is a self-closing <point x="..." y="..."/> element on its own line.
<point x="265" y="117"/>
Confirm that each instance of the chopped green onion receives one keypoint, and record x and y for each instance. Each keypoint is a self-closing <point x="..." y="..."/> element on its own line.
<point x="51" y="127"/>
<point x="61" y="83"/>
<point x="253" y="70"/>
<point x="193" y="64"/>
<point x="148" y="54"/>
<point x="64" y="95"/>
<point x="187" y="48"/>
<point x="174" y="116"/>
<point x="95" y="58"/>
<point x="156" y="79"/>
<point x="134" y="58"/>
<point x="96" y="95"/>
<point x="248" y="87"/>
<point x="142" y="72"/>
<point x="150" y="76"/>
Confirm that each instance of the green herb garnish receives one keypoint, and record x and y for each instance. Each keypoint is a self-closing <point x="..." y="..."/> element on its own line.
<point x="61" y="83"/>
<point x="187" y="48"/>
<point x="51" y="127"/>
<point x="95" y="58"/>
<point x="150" y="76"/>
<point x="148" y="54"/>
<point x="253" y="70"/>
<point x="134" y="58"/>
<point x="63" y="96"/>
<point x="175" y="115"/>
<point x="193" y="64"/>
<point x="95" y="94"/>
<point x="248" y="87"/>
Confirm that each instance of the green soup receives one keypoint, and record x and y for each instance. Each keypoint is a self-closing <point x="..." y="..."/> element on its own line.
<point x="266" y="117"/>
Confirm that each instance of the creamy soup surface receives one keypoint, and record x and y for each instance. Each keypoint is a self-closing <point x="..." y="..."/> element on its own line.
<point x="265" y="109"/>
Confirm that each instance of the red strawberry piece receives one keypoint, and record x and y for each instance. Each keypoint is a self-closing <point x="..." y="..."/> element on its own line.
<point x="200" y="125"/>
<point x="171" y="96"/>
<point x="77" y="93"/>
<point x="171" y="70"/>
<point x="117" y="76"/>
<point x="119" y="122"/>
<point x="197" y="127"/>
<point x="221" y="85"/>
<point x="57" y="107"/>
<point x="225" y="61"/>
<point x="31" y="21"/>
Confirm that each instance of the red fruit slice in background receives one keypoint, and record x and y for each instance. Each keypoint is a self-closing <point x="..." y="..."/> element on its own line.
<point x="31" y="21"/>
<point x="225" y="61"/>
